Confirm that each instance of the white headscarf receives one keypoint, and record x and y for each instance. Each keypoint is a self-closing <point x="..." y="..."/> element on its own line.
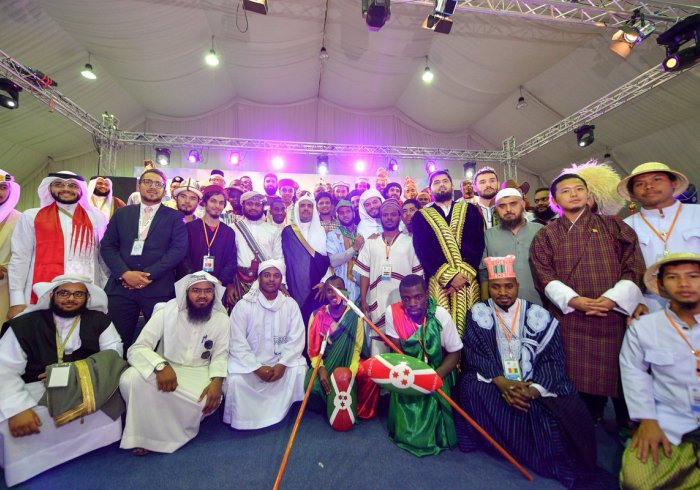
<point x="254" y="291"/>
<point x="368" y="225"/>
<point x="107" y="208"/>
<point x="12" y="200"/>
<point x="45" y="193"/>
<point x="96" y="301"/>
<point x="190" y="280"/>
<point x="312" y="231"/>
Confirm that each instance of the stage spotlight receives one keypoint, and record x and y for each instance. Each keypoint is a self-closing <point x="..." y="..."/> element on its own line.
<point x="360" y="165"/>
<point x="428" y="75"/>
<point x="393" y="165"/>
<point x="469" y="170"/>
<point x="376" y="13"/>
<point x="636" y="30"/>
<point x="323" y="55"/>
<point x="440" y="20"/>
<point x="430" y="167"/>
<point x="522" y="103"/>
<point x="322" y="164"/>
<point x="163" y="156"/>
<point x="87" y="70"/>
<point x="9" y="94"/>
<point x="584" y="135"/>
<point x="212" y="59"/>
<point x="194" y="157"/>
<point x="257" y="6"/>
<point x="277" y="162"/>
<point x="234" y="158"/>
<point x="679" y="34"/>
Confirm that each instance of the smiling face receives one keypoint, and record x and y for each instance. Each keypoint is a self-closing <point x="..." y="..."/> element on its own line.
<point x="69" y="299"/>
<point x="372" y="206"/>
<point x="65" y="191"/>
<point x="324" y="206"/>
<point x="287" y="194"/>
<point x="394" y="192"/>
<point x="340" y="192"/>
<point x="346" y="215"/>
<point x="270" y="280"/>
<point x="306" y="211"/>
<point x="215" y="205"/>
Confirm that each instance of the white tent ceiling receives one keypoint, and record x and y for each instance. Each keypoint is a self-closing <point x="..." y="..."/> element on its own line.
<point x="148" y="55"/>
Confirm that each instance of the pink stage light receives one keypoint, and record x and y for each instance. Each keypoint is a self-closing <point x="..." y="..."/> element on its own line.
<point x="360" y="166"/>
<point x="234" y="158"/>
<point x="194" y="157"/>
<point x="430" y="167"/>
<point x="278" y="162"/>
<point x="393" y="165"/>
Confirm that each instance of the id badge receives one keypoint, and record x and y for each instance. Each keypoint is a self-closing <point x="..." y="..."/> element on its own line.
<point x="208" y="263"/>
<point x="137" y="249"/>
<point x="386" y="272"/>
<point x="59" y="376"/>
<point x="694" y="391"/>
<point x="511" y="369"/>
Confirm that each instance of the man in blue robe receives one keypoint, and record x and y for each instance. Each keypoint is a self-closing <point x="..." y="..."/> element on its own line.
<point x="514" y="384"/>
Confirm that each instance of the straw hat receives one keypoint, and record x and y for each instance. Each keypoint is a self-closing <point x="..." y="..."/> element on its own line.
<point x="651" y="273"/>
<point x="649" y="167"/>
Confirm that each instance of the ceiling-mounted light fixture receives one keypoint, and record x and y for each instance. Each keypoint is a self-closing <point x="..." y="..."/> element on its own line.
<point x="633" y="32"/>
<point x="393" y="165"/>
<point x="469" y="170"/>
<point x="427" y="74"/>
<point x="679" y="34"/>
<point x="322" y="164"/>
<point x="194" y="157"/>
<point x="584" y="135"/>
<point x="88" y="71"/>
<point x="323" y="55"/>
<point x="212" y="59"/>
<point x="163" y="156"/>
<point x="441" y="18"/>
<point x="522" y="103"/>
<point x="257" y="6"/>
<point x="9" y="93"/>
<point x="376" y="13"/>
<point x="430" y="167"/>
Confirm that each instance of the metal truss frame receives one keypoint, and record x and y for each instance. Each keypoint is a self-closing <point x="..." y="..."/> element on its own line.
<point x="610" y="13"/>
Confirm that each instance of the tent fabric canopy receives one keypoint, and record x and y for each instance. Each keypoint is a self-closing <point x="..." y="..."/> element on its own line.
<point x="148" y="56"/>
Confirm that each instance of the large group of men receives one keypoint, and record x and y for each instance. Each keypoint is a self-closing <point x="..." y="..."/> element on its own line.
<point x="533" y="316"/>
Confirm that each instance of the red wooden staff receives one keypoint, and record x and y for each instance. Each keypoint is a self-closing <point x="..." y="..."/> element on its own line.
<point x="447" y="398"/>
<point x="297" y="422"/>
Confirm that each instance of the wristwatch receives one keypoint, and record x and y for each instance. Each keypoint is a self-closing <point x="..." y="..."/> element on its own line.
<point x="161" y="365"/>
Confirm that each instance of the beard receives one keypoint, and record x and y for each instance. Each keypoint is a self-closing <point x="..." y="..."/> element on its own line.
<point x="270" y="190"/>
<point x="488" y="195"/>
<point x="61" y="200"/>
<point x="545" y="215"/>
<point x="100" y="193"/>
<point x="510" y="224"/>
<point x="58" y="311"/>
<point x="443" y="196"/>
<point x="199" y="314"/>
<point x="689" y="305"/>
<point x="252" y="216"/>
<point x="188" y="212"/>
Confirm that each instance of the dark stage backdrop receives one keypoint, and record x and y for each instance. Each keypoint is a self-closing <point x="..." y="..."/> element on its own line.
<point x="122" y="187"/>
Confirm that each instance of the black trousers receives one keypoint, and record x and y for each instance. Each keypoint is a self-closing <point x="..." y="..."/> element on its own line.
<point x="124" y="311"/>
<point x="596" y="407"/>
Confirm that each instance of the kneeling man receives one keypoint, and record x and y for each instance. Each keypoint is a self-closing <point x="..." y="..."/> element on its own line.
<point x="178" y="367"/>
<point x="514" y="383"/>
<point x="660" y="367"/>
<point x="68" y="325"/>
<point x="265" y="367"/>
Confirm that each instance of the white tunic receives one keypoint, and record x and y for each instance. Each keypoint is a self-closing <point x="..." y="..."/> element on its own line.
<point x="657" y="369"/>
<point x="160" y="421"/>
<point x="264" y="333"/>
<point x="21" y="267"/>
<point x="267" y="236"/>
<point x="25" y="457"/>
<point x="685" y="237"/>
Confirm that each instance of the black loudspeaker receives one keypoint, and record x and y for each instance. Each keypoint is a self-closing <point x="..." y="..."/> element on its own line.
<point x="123" y="187"/>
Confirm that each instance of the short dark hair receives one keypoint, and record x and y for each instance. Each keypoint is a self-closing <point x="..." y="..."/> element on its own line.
<point x="156" y="171"/>
<point x="270" y="174"/>
<point x="436" y="173"/>
<point x="630" y="182"/>
<point x="412" y="201"/>
<point x="212" y="192"/>
<point x="413" y="280"/>
<point x="662" y="269"/>
<point x="553" y="186"/>
<point x="352" y="194"/>
<point x="336" y="278"/>
<point x="389" y="186"/>
<point x="323" y="194"/>
<point x="274" y="199"/>
<point x="541" y="189"/>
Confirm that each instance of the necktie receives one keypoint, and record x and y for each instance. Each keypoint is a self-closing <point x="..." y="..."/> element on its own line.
<point x="147" y="216"/>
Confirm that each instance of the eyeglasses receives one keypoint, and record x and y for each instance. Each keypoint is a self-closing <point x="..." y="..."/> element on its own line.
<point x="59" y="184"/>
<point x="153" y="183"/>
<point x="67" y="294"/>
<point x="206" y="291"/>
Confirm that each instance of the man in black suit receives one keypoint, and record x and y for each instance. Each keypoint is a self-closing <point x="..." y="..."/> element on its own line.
<point x="142" y="246"/>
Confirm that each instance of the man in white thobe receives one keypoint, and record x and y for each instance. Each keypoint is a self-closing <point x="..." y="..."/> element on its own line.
<point x="265" y="367"/>
<point x="370" y="202"/>
<point x="102" y="196"/>
<point x="9" y="216"/>
<point x="73" y="310"/>
<point x="178" y="365"/>
<point x="65" y="222"/>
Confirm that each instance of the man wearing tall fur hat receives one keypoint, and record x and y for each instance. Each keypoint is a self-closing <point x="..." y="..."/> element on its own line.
<point x="61" y="237"/>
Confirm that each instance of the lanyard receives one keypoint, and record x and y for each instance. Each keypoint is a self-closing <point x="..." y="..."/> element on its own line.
<point x="388" y="245"/>
<point x="206" y="236"/>
<point x="695" y="352"/>
<point x="63" y="211"/>
<point x="61" y="346"/>
<point x="664" y="236"/>
<point x="506" y="332"/>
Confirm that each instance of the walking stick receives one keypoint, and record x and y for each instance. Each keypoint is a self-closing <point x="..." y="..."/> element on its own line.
<point x="447" y="398"/>
<point x="297" y="422"/>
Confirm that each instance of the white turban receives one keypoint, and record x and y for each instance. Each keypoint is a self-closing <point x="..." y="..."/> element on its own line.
<point x="96" y="301"/>
<point x="313" y="232"/>
<point x="508" y="192"/>
<point x="369" y="226"/>
<point x="12" y="200"/>
<point x="190" y="280"/>
<point x="276" y="263"/>
<point x="45" y="196"/>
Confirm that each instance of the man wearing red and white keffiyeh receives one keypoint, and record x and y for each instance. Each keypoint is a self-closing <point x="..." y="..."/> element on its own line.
<point x="60" y="237"/>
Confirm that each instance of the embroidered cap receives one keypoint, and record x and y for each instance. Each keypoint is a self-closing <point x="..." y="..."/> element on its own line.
<point x="500" y="267"/>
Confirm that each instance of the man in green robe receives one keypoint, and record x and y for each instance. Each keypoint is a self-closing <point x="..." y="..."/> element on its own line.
<point x="423" y="425"/>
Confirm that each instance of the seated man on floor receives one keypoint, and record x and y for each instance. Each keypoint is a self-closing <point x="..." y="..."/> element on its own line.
<point x="423" y="425"/>
<point x="266" y="368"/>
<point x="345" y="331"/>
<point x="514" y="384"/>
<point x="660" y="368"/>
<point x="68" y="325"/>
<point x="178" y="367"/>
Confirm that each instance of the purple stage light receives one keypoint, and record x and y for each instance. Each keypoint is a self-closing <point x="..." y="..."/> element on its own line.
<point x="430" y="167"/>
<point x="360" y="165"/>
<point x="194" y="157"/>
<point x="393" y="165"/>
<point x="234" y="158"/>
